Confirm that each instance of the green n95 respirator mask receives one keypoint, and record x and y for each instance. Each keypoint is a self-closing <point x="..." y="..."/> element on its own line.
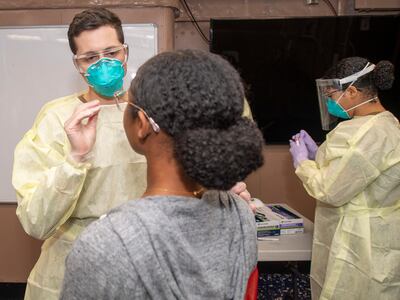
<point x="106" y="76"/>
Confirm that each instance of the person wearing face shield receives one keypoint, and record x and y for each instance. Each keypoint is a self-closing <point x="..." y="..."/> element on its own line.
<point x="355" y="178"/>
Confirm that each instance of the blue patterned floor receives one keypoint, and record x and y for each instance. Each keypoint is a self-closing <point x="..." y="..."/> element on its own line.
<point x="271" y="286"/>
<point x="278" y="286"/>
<point x="275" y="280"/>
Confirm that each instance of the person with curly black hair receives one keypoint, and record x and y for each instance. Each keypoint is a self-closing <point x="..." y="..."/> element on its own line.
<point x="354" y="176"/>
<point x="186" y="237"/>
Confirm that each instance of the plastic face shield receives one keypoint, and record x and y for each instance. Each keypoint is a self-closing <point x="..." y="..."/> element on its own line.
<point x="83" y="61"/>
<point x="327" y="87"/>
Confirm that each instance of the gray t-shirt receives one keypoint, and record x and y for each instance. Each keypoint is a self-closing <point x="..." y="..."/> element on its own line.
<point x="166" y="247"/>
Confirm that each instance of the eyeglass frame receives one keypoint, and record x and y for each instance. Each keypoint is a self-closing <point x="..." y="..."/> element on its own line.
<point x="331" y="93"/>
<point x="100" y="54"/>
<point x="154" y="125"/>
<point x="339" y="90"/>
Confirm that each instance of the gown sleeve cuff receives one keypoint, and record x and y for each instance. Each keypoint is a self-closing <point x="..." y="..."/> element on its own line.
<point x="83" y="165"/>
<point x="303" y="169"/>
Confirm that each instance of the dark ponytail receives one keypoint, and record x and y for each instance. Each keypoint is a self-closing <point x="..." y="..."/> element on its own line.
<point x="217" y="159"/>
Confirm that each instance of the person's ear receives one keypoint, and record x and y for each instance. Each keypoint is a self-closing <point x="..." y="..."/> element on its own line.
<point x="144" y="126"/>
<point x="352" y="92"/>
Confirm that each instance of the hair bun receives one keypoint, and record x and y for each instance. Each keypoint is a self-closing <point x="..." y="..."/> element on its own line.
<point x="383" y="75"/>
<point x="216" y="158"/>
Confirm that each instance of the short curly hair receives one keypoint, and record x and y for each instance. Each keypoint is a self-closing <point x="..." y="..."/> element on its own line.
<point x="91" y="19"/>
<point x="197" y="98"/>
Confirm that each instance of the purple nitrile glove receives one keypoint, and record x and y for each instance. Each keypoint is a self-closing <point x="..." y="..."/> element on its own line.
<point x="299" y="151"/>
<point x="312" y="147"/>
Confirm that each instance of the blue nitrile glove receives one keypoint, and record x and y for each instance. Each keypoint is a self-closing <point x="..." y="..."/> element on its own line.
<point x="312" y="147"/>
<point x="299" y="151"/>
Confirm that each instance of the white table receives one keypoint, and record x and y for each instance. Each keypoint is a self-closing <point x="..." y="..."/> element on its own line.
<point x="293" y="247"/>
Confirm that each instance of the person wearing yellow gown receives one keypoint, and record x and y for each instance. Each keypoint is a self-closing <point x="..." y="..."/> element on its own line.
<point x="355" y="178"/>
<point x="61" y="190"/>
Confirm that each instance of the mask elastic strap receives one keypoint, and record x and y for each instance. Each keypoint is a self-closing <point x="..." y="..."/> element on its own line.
<point x="358" y="75"/>
<point x="369" y="100"/>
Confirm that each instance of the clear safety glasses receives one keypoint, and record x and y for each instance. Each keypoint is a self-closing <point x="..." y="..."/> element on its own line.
<point x="83" y="61"/>
<point x="118" y="101"/>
